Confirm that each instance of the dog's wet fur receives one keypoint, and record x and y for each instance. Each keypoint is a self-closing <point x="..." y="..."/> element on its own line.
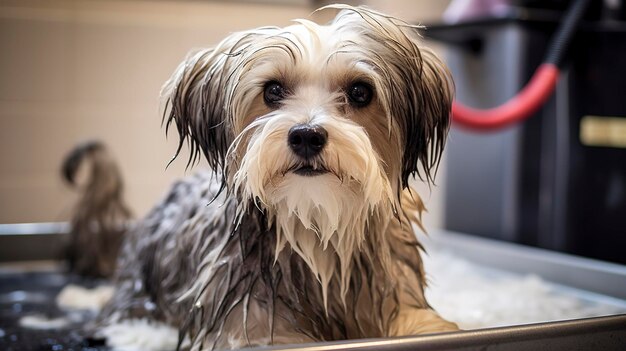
<point x="277" y="244"/>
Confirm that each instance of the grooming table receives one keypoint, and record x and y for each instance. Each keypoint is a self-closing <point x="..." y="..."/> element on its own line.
<point x="29" y="287"/>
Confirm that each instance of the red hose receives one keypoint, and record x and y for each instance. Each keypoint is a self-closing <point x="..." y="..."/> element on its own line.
<point x="518" y="108"/>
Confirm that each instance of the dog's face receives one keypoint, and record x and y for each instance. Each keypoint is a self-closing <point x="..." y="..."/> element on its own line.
<point x="318" y="126"/>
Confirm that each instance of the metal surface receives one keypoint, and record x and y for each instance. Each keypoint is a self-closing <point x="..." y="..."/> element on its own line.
<point x="593" y="277"/>
<point x="33" y="294"/>
<point x="603" y="333"/>
<point x="32" y="241"/>
<point x="536" y="183"/>
<point x="490" y="158"/>
<point x="578" y="272"/>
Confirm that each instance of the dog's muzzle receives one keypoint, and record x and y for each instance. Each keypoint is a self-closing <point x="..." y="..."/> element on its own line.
<point x="307" y="141"/>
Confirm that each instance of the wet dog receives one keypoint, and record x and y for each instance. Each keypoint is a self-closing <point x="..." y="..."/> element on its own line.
<point x="303" y="230"/>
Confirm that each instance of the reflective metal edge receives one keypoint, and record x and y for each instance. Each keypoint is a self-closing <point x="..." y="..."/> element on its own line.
<point x="34" y="228"/>
<point x="32" y="241"/>
<point x="601" y="333"/>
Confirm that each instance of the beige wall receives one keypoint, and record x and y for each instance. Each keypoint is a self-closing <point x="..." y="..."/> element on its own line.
<point x="75" y="70"/>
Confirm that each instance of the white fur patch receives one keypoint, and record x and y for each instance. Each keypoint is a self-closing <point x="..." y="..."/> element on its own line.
<point x="307" y="216"/>
<point x="140" y="335"/>
<point x="74" y="297"/>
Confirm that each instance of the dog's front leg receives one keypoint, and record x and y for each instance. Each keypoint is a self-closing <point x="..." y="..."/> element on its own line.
<point x="413" y="321"/>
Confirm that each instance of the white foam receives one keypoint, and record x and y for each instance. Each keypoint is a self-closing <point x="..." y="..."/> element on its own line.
<point x="43" y="323"/>
<point x="477" y="297"/>
<point x="140" y="335"/>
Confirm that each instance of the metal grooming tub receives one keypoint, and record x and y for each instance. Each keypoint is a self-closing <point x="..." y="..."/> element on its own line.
<point x="33" y="277"/>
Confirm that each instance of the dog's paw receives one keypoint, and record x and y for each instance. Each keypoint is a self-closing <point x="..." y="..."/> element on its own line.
<point x="414" y="321"/>
<point x="140" y="335"/>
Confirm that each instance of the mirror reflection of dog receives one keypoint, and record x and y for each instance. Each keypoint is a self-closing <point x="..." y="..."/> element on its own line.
<point x="100" y="216"/>
<point x="303" y="229"/>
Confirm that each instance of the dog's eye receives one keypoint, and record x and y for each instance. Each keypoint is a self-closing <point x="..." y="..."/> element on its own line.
<point x="273" y="93"/>
<point x="360" y="94"/>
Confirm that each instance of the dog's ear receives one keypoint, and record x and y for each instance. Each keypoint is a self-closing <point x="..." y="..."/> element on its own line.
<point x="198" y="99"/>
<point x="414" y="86"/>
<point x="421" y="100"/>
<point x="427" y="115"/>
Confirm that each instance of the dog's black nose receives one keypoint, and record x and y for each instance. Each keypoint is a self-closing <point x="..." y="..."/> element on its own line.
<point x="307" y="140"/>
